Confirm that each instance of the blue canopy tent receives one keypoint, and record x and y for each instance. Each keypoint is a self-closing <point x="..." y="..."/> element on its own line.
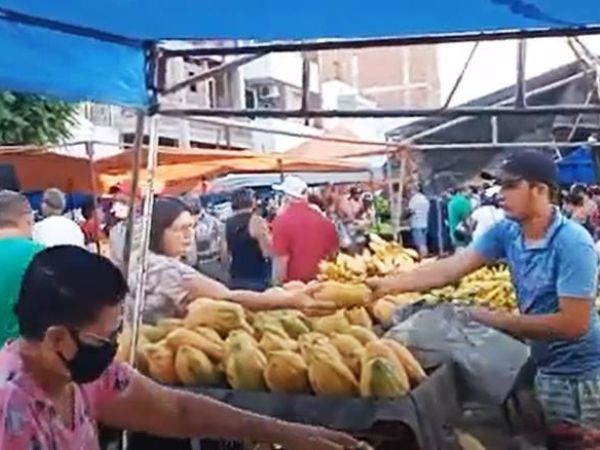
<point x="577" y="167"/>
<point x="100" y="50"/>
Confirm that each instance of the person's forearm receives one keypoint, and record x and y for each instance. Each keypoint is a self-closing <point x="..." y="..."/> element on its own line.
<point x="279" y="270"/>
<point x="536" y="327"/>
<point x="257" y="301"/>
<point x="202" y="416"/>
<point x="431" y="275"/>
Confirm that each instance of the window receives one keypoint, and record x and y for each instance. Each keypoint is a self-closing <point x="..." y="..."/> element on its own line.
<point x="250" y="98"/>
<point x="193" y="87"/>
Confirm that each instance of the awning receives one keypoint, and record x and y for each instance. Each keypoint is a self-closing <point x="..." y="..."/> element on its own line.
<point x="98" y="50"/>
<point x="177" y="171"/>
<point x="192" y="176"/>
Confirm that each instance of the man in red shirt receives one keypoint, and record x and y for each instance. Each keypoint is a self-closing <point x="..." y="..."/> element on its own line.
<point x="302" y="236"/>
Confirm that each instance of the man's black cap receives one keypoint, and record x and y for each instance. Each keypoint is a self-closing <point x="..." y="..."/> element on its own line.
<point x="527" y="165"/>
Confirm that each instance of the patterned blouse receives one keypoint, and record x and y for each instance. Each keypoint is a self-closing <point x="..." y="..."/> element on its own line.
<point x="29" y="417"/>
<point x="165" y="291"/>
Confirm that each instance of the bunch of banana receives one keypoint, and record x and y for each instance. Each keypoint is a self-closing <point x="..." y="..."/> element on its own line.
<point x="381" y="258"/>
<point x="490" y="287"/>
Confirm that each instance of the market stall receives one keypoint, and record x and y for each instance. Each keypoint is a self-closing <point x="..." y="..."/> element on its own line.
<point x="128" y="64"/>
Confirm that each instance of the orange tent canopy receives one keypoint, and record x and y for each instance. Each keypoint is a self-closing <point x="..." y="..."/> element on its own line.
<point x="166" y="156"/>
<point x="178" y="171"/>
<point x="39" y="170"/>
<point x="179" y="178"/>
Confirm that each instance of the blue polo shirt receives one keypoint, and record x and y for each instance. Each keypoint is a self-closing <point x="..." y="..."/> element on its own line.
<point x="563" y="264"/>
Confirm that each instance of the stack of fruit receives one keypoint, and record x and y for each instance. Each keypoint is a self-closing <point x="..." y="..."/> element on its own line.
<point x="382" y="258"/>
<point x="280" y="351"/>
<point x="490" y="287"/>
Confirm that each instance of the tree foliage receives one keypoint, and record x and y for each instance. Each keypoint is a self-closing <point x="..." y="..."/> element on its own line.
<point x="27" y="119"/>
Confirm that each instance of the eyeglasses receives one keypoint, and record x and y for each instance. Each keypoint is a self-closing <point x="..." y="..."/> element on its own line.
<point x="97" y="340"/>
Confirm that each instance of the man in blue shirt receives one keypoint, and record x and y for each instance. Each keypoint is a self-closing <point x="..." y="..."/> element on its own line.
<point x="554" y="270"/>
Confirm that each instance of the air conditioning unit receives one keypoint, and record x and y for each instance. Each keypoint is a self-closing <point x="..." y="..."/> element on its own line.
<point x="268" y="91"/>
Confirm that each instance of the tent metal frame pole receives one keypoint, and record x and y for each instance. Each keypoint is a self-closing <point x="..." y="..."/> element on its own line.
<point x="520" y="88"/>
<point x="390" y="41"/>
<point x="473" y="111"/>
<point x="494" y="127"/>
<point x="141" y="265"/>
<point x="89" y="150"/>
<point x="498" y="145"/>
<point x="451" y="123"/>
<point x="210" y="73"/>
<point x="136" y="157"/>
<point x="461" y="75"/>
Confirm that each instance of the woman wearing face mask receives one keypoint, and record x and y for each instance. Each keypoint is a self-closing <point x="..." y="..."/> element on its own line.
<point x="118" y="229"/>
<point x="59" y="380"/>
<point x="171" y="284"/>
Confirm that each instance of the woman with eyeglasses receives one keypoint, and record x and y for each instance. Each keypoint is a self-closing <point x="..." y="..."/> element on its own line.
<point x="171" y="284"/>
<point x="59" y="380"/>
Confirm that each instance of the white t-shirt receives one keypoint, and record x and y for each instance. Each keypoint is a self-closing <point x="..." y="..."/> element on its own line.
<point x="58" y="230"/>
<point x="485" y="217"/>
<point x="419" y="207"/>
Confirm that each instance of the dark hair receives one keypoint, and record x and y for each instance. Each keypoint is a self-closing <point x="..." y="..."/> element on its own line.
<point x="574" y="199"/>
<point x="13" y="206"/>
<point x="317" y="201"/>
<point x="87" y="210"/>
<point x="166" y="211"/>
<point x="242" y="199"/>
<point x="66" y="286"/>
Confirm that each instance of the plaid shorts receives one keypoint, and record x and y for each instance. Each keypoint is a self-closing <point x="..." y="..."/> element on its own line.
<point x="571" y="410"/>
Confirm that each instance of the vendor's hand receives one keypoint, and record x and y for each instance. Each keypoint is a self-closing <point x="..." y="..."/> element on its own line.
<point x="303" y="437"/>
<point x="482" y="315"/>
<point x="303" y="300"/>
<point x="380" y="287"/>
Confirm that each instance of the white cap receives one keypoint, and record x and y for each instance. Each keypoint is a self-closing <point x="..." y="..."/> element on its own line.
<point x="293" y="186"/>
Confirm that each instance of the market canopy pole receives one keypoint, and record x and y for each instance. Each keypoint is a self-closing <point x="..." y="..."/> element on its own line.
<point x="389" y="41"/>
<point x="520" y="88"/>
<point x="473" y="111"/>
<point x="136" y="156"/>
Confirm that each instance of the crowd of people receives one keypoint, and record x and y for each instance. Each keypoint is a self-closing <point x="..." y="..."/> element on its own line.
<point x="61" y="305"/>
<point x="61" y="311"/>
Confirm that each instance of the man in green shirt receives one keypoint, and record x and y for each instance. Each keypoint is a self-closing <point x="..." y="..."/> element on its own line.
<point x="16" y="252"/>
<point x="459" y="210"/>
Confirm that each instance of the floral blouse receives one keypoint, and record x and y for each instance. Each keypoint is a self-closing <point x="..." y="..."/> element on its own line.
<point x="29" y="418"/>
<point x="165" y="289"/>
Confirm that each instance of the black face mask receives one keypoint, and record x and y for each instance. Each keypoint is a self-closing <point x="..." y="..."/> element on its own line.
<point x="90" y="361"/>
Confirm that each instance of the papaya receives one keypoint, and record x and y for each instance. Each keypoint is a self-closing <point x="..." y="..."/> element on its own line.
<point x="344" y="295"/>
<point x="359" y="316"/>
<point x="329" y="376"/>
<point x="414" y="370"/>
<point x="286" y="371"/>
<point x="202" y="340"/>
<point x="161" y="363"/>
<point x="271" y="342"/>
<point x="381" y="378"/>
<point x="244" y="368"/>
<point x="221" y="316"/>
<point x="351" y="351"/>
<point x="364" y="335"/>
<point x="193" y="367"/>
<point x="334" y="323"/>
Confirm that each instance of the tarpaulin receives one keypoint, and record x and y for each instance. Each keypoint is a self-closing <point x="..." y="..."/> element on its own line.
<point x="177" y="171"/>
<point x="97" y="50"/>
<point x="192" y="176"/>
<point x="37" y="171"/>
